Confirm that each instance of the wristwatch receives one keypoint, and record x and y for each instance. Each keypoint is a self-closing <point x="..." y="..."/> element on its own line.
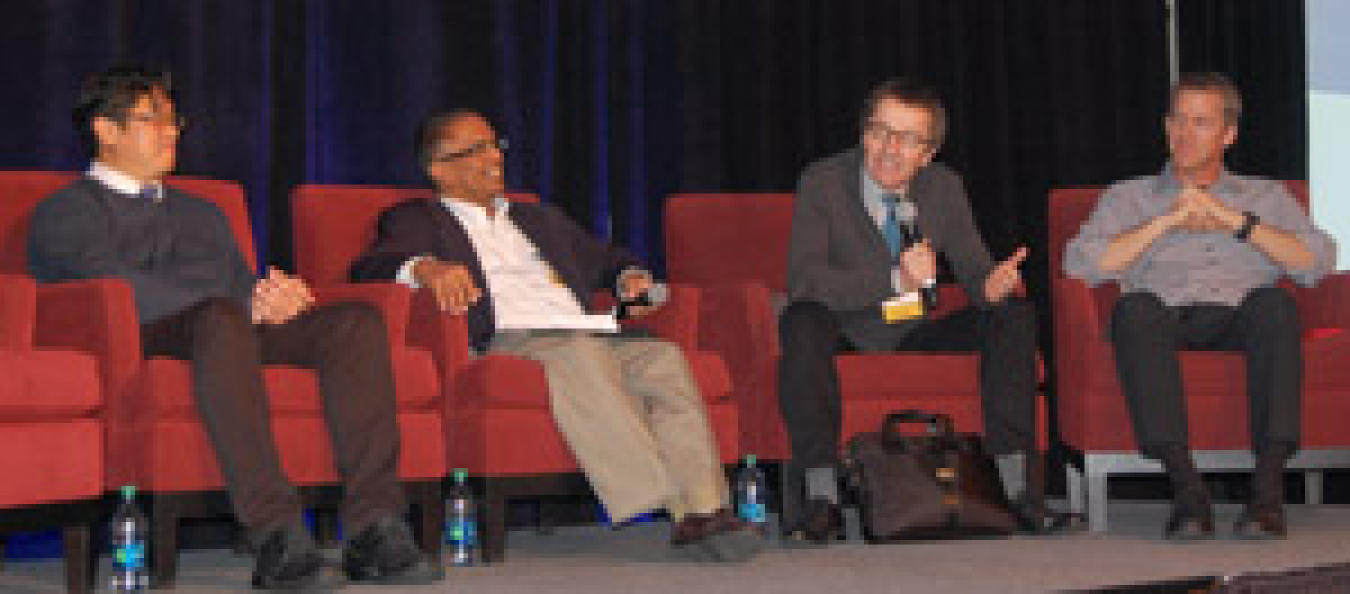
<point x="1249" y="222"/>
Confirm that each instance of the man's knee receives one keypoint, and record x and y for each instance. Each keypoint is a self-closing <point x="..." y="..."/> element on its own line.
<point x="1017" y="311"/>
<point x="665" y="350"/>
<point x="358" y="316"/>
<point x="809" y="320"/>
<point x="1135" y="310"/>
<point x="1273" y="305"/>
<point x="218" y="314"/>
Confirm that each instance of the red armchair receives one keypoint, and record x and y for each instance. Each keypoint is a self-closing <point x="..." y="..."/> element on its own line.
<point x="495" y="407"/>
<point x="1093" y="415"/>
<point x="734" y="247"/>
<point x="154" y="439"/>
<point x="51" y="436"/>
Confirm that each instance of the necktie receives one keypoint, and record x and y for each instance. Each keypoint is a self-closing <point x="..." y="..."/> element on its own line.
<point x="894" y="234"/>
<point x="150" y="194"/>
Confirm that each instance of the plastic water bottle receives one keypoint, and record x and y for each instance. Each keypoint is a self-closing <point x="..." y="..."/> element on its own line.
<point x="461" y="522"/>
<point x="751" y="495"/>
<point x="129" y="545"/>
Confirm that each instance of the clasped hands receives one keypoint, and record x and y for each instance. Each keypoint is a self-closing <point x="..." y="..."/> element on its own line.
<point x="1199" y="210"/>
<point x="278" y="298"/>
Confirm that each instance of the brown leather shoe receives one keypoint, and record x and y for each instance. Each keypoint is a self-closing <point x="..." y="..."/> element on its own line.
<point x="1261" y="521"/>
<point x="1034" y="517"/>
<point x="1190" y="521"/>
<point x="718" y="536"/>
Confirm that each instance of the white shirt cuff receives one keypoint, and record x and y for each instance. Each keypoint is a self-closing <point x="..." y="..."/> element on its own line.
<point x="405" y="272"/>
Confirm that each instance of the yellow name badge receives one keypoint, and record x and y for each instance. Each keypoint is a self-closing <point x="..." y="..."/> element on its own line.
<point x="902" y="307"/>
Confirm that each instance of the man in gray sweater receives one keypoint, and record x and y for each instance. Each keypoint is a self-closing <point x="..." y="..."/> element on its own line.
<point x="198" y="300"/>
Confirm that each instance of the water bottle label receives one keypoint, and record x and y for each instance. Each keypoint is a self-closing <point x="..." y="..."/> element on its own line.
<point x="462" y="532"/>
<point x="755" y="513"/>
<point x="129" y="556"/>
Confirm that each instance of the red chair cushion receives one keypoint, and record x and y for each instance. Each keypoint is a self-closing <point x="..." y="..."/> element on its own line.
<point x="50" y="461"/>
<point x="56" y="385"/>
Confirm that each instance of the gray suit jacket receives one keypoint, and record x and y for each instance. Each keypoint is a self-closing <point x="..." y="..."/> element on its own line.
<point x="838" y="257"/>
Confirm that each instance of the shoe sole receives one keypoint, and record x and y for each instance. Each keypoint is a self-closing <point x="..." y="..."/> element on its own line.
<point x="734" y="547"/>
<point x="723" y="548"/>
<point x="1188" y="538"/>
<point x="421" y="576"/>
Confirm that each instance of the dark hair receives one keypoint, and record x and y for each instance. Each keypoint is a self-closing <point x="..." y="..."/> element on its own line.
<point x="912" y="92"/>
<point x="111" y="94"/>
<point x="429" y="131"/>
<point x="1213" y="82"/>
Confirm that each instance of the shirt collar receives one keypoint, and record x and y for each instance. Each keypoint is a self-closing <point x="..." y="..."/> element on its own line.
<point x="1167" y="182"/>
<point x="873" y="192"/>
<point x="120" y="182"/>
<point x="462" y="208"/>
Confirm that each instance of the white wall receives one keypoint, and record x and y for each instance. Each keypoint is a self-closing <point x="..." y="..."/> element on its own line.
<point x="1329" y="119"/>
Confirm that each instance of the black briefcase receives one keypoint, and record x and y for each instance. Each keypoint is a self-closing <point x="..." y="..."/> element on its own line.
<point x="938" y="485"/>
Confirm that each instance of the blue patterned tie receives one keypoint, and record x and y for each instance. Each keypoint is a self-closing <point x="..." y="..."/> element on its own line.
<point x="895" y="236"/>
<point x="150" y="194"/>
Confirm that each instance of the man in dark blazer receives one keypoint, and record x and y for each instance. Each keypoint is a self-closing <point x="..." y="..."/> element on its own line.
<point x="627" y="406"/>
<point x="198" y="300"/>
<point x="855" y="278"/>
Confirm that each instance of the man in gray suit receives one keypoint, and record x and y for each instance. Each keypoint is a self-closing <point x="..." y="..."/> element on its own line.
<point x="868" y="226"/>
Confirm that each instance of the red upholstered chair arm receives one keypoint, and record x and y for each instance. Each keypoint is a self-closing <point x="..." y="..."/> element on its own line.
<point x="394" y="302"/>
<point x="1081" y="345"/>
<point x="738" y="323"/>
<point x="444" y="335"/>
<point x="18" y="311"/>
<point x="677" y="320"/>
<point x="1326" y="305"/>
<point x="97" y="317"/>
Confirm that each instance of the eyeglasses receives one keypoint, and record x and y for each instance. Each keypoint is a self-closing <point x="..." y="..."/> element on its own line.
<point x="882" y="134"/>
<point x="500" y="144"/>
<point x="159" y="119"/>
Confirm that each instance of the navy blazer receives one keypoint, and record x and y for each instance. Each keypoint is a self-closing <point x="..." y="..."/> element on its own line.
<point x="424" y="227"/>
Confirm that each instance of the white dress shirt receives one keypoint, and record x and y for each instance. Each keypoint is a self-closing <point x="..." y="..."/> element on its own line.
<point x="120" y="182"/>
<point x="525" y="291"/>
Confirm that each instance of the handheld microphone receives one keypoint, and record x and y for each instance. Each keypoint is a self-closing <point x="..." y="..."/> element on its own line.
<point x="907" y="216"/>
<point x="656" y="294"/>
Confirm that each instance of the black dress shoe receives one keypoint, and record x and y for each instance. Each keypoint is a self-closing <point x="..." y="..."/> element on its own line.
<point x="1261" y="521"/>
<point x="288" y="561"/>
<point x="1034" y="517"/>
<point x="1190" y="522"/>
<point x="821" y="523"/>
<point x="385" y="553"/>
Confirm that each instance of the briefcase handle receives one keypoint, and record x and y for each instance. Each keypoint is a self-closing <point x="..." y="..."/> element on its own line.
<point x="938" y="424"/>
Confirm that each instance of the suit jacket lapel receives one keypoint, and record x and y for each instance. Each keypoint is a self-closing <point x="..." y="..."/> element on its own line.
<point x="454" y="241"/>
<point x="856" y="211"/>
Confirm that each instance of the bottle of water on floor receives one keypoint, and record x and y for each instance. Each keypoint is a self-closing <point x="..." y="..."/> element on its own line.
<point x="128" y="546"/>
<point x="751" y="495"/>
<point x="461" y="523"/>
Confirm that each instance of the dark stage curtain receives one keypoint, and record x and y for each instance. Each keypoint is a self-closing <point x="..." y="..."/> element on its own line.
<point x="610" y="106"/>
<point x="219" y="55"/>
<point x="1261" y="45"/>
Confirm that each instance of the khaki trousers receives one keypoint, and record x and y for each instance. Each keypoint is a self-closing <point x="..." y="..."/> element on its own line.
<point x="632" y="414"/>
